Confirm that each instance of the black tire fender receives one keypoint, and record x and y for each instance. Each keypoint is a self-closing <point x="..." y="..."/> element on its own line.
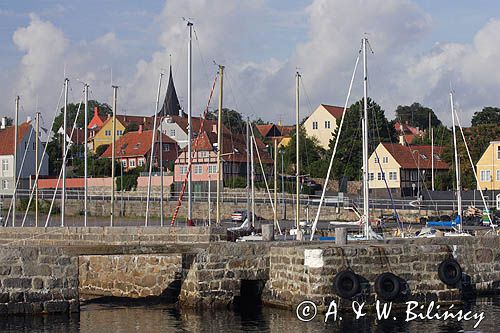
<point x="450" y="272"/>
<point x="388" y="286"/>
<point x="346" y="284"/>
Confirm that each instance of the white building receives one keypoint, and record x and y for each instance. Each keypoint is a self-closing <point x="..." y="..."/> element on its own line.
<point x="26" y="149"/>
<point x="321" y="124"/>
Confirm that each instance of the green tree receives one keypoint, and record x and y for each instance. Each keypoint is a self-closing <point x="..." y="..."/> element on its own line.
<point x="231" y="119"/>
<point x="101" y="149"/>
<point x="348" y="159"/>
<point x="131" y="127"/>
<point x="104" y="110"/>
<point x="416" y="115"/>
<point x="310" y="152"/>
<point x="488" y="115"/>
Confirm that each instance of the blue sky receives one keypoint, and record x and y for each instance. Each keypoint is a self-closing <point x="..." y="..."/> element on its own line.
<point x="420" y="46"/>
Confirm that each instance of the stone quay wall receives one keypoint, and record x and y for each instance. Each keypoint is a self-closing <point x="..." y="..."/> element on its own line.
<point x="69" y="236"/>
<point x="300" y="273"/>
<point x="214" y="277"/>
<point x="38" y="280"/>
<point x="130" y="275"/>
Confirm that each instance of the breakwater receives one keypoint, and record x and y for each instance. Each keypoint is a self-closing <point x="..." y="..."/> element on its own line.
<point x="197" y="268"/>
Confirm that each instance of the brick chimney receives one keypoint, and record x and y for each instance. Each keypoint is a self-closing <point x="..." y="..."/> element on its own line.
<point x="214" y="128"/>
<point x="96" y="111"/>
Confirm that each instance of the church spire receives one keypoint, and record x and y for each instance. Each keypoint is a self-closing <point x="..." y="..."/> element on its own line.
<point x="171" y="105"/>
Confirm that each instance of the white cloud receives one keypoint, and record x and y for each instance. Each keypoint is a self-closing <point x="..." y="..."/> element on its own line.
<point x="237" y="33"/>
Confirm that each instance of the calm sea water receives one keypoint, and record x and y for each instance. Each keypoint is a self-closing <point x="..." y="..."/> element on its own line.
<point x="120" y="317"/>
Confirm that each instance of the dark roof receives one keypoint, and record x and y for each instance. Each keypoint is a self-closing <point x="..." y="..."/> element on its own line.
<point x="412" y="157"/>
<point x="208" y="125"/>
<point x="78" y="136"/>
<point x="7" y="137"/>
<point x="286" y="130"/>
<point x="171" y="105"/>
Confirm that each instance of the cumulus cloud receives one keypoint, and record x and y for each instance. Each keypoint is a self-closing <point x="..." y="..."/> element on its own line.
<point x="236" y="34"/>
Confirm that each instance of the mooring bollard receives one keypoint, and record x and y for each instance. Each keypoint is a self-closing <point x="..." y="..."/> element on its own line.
<point x="267" y="232"/>
<point x="341" y="236"/>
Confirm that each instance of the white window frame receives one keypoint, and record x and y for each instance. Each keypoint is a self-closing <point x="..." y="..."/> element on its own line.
<point x="5" y="167"/>
<point x="376" y="159"/>
<point x="198" y="169"/>
<point x="131" y="163"/>
<point x="124" y="163"/>
<point x="498" y="152"/>
<point x="5" y="184"/>
<point x="393" y="175"/>
<point x="183" y="169"/>
<point x="327" y="123"/>
<point x="119" y="132"/>
<point x="498" y="174"/>
<point x="172" y="132"/>
<point x="385" y="159"/>
<point x="315" y="125"/>
<point x="485" y="175"/>
<point x="212" y="168"/>
<point x="370" y="176"/>
<point x="140" y="162"/>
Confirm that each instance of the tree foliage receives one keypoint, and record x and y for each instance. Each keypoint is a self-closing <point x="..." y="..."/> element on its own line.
<point x="348" y="159"/>
<point x="416" y="115"/>
<point x="104" y="110"/>
<point x="488" y="115"/>
<point x="231" y="119"/>
<point x="310" y="152"/>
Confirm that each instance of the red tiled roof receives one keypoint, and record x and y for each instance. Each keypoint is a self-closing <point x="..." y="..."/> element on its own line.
<point x="7" y="138"/>
<point x="234" y="145"/>
<point x="137" y="144"/>
<point x="335" y="111"/>
<point x="412" y="157"/>
<point x="145" y="121"/>
<point x="264" y="129"/>
<point x="286" y="130"/>
<point x="407" y="129"/>
<point x="96" y="121"/>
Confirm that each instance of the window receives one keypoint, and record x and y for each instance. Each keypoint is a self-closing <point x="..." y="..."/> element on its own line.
<point x="203" y="154"/>
<point x="183" y="169"/>
<point x="212" y="168"/>
<point x="107" y="132"/>
<point x="380" y="176"/>
<point x="315" y="125"/>
<point x="327" y="123"/>
<point x="5" y="184"/>
<point x="172" y="132"/>
<point x="385" y="159"/>
<point x="5" y="167"/>
<point x="166" y="147"/>
<point x="498" y="152"/>
<point x="198" y="169"/>
<point x="131" y="163"/>
<point x="34" y="145"/>
<point x="413" y="175"/>
<point x="376" y="159"/>
<point x="498" y="174"/>
<point x="393" y="175"/>
<point x="370" y="176"/>
<point x="140" y="162"/>
<point x="485" y="175"/>
<point x="124" y="163"/>
<point x="119" y="132"/>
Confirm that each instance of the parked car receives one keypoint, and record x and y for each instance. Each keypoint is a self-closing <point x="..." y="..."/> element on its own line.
<point x="239" y="216"/>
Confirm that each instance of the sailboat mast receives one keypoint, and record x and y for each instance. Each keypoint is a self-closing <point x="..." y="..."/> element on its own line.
<point x="151" y="156"/>
<point x="113" y="148"/>
<point x="248" y="168"/>
<point x="297" y="155"/>
<point x="432" y="158"/>
<point x="37" y="128"/>
<point x="219" y="144"/>
<point x="252" y="180"/>
<point x="16" y="123"/>
<point x="457" y="165"/>
<point x="189" y="106"/>
<point x="366" y="206"/>
<point x="85" y="156"/>
<point x="160" y="156"/>
<point x="63" y="192"/>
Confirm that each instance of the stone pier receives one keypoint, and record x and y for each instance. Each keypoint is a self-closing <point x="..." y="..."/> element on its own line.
<point x="50" y="270"/>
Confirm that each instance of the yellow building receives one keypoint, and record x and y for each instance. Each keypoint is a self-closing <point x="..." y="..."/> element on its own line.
<point x="104" y="136"/>
<point x="404" y="170"/>
<point x="322" y="123"/>
<point x="488" y="167"/>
